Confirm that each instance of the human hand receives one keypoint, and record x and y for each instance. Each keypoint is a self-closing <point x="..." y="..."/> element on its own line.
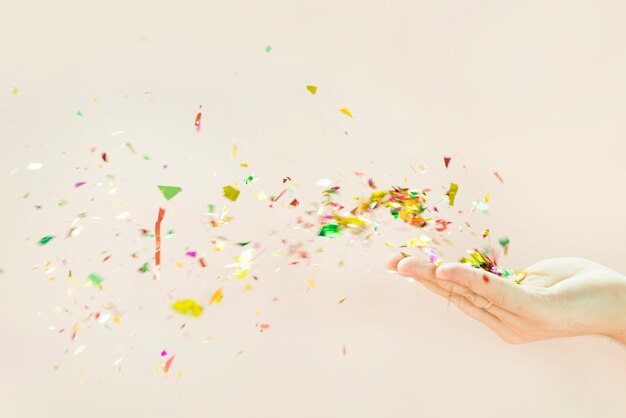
<point x="559" y="297"/>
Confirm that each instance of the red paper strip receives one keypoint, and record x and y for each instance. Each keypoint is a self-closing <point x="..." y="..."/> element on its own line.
<point x="157" y="233"/>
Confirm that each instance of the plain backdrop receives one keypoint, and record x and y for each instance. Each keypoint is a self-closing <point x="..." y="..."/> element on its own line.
<point x="534" y="90"/>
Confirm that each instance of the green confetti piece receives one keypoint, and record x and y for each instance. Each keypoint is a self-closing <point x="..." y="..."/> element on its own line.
<point x="231" y="193"/>
<point x="145" y="267"/>
<point x="504" y="241"/>
<point x="330" y="231"/>
<point x="96" y="280"/>
<point x="147" y="157"/>
<point x="452" y="193"/>
<point x="46" y="239"/>
<point x="170" y="234"/>
<point x="312" y="89"/>
<point x="243" y="244"/>
<point x="268" y="49"/>
<point x="188" y="307"/>
<point x="249" y="179"/>
<point x="79" y="113"/>
<point x="169" y="191"/>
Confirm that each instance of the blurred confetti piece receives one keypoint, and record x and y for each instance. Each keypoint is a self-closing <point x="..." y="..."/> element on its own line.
<point x="446" y="161"/>
<point x="312" y="89"/>
<point x="330" y="231"/>
<point x="168" y="364"/>
<point x="169" y="191"/>
<point x="188" y="307"/>
<point x="345" y="111"/>
<point x="157" y="252"/>
<point x="498" y="176"/>
<point x="268" y="48"/>
<point x="34" y="166"/>
<point x="46" y="239"/>
<point x="485" y="233"/>
<point x="231" y="193"/>
<point x="79" y="350"/>
<point x="217" y="296"/>
<point x="79" y="113"/>
<point x="198" y="120"/>
<point x="79" y="184"/>
<point x="15" y="90"/>
<point x="311" y="283"/>
<point x="163" y="353"/>
<point x="233" y="151"/>
<point x="454" y="188"/>
<point x="96" y="280"/>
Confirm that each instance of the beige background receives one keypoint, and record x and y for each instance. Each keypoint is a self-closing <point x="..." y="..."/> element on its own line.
<point x="533" y="89"/>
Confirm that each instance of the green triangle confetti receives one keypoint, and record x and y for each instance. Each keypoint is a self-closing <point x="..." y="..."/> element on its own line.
<point x="169" y="191"/>
<point x="312" y="89"/>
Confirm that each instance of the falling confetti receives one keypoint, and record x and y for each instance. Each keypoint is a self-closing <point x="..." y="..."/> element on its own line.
<point x="169" y="191"/>
<point x="312" y="89"/>
<point x="454" y="188"/>
<point x="46" y="240"/>
<point x="157" y="253"/>
<point x="188" y="307"/>
<point x="198" y="120"/>
<point x="268" y="49"/>
<point x="498" y="176"/>
<point x="231" y="193"/>
<point x="96" y="280"/>
<point x="15" y="90"/>
<point x="446" y="161"/>
<point x="217" y="296"/>
<point x="345" y="111"/>
<point x="34" y="166"/>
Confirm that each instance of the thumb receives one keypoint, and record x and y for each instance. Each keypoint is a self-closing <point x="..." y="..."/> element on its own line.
<point x="501" y="291"/>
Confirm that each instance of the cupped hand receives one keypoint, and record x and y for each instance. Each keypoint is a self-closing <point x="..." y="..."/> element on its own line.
<point x="559" y="297"/>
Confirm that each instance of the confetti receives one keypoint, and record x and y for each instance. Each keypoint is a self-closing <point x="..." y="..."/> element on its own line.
<point x="168" y="364"/>
<point x="312" y="89"/>
<point x="46" y="239"/>
<point x="345" y="111"/>
<point x="485" y="233"/>
<point x="231" y="193"/>
<point x="15" y="90"/>
<point x="454" y="188"/>
<point x="188" y="307"/>
<point x="330" y="231"/>
<point x="217" y="296"/>
<point x="498" y="176"/>
<point x="446" y="161"/>
<point x="169" y="191"/>
<point x="268" y="48"/>
<point x="96" y="280"/>
<point x="157" y="253"/>
<point x="79" y="113"/>
<point x="34" y="166"/>
<point x="198" y="120"/>
<point x="311" y="283"/>
<point x="79" y="184"/>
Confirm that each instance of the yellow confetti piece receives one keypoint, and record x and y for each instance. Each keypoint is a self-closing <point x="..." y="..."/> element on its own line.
<point x="217" y="296"/>
<point x="179" y="265"/>
<point x="421" y="241"/>
<point x="243" y="165"/>
<point x="188" y="307"/>
<point x="311" y="283"/>
<point x="312" y="89"/>
<point x="345" y="111"/>
<point x="15" y="90"/>
<point x="116" y="319"/>
<point x="261" y="196"/>
<point x="233" y="151"/>
<point x="231" y="193"/>
<point x="388" y="244"/>
<point x="485" y="233"/>
<point x="487" y="197"/>
<point x="247" y="287"/>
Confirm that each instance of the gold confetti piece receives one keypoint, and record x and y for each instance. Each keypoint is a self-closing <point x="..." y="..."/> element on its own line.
<point x="188" y="307"/>
<point x="217" y="296"/>
<point x="311" y="283"/>
<point x="15" y="90"/>
<point x="231" y="193"/>
<point x="312" y="89"/>
<point x="243" y="165"/>
<point x="454" y="188"/>
<point x="233" y="151"/>
<point x="487" y="197"/>
<point x="261" y="195"/>
<point x="485" y="233"/>
<point x="345" y="111"/>
<point x="388" y="244"/>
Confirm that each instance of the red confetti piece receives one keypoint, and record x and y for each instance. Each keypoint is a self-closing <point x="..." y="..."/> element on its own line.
<point x="104" y="157"/>
<point x="371" y="184"/>
<point x="106" y="258"/>
<point x="168" y="364"/>
<point x="294" y="203"/>
<point x="198" y="120"/>
<point x="442" y="225"/>
<point x="446" y="161"/>
<point x="157" y="254"/>
<point x="202" y="262"/>
<point x="498" y="176"/>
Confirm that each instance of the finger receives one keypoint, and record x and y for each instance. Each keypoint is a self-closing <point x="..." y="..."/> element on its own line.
<point x="489" y="320"/>
<point x="392" y="261"/>
<point x="418" y="267"/>
<point x="502" y="292"/>
<point x="480" y="302"/>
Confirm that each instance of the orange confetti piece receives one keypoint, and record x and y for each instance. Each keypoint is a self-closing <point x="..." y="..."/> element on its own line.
<point x="157" y="254"/>
<point x="217" y="296"/>
<point x="168" y="364"/>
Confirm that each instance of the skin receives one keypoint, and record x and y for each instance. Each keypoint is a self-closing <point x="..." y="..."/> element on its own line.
<point x="560" y="297"/>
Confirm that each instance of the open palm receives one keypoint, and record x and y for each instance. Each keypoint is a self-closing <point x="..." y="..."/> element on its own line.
<point x="559" y="297"/>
